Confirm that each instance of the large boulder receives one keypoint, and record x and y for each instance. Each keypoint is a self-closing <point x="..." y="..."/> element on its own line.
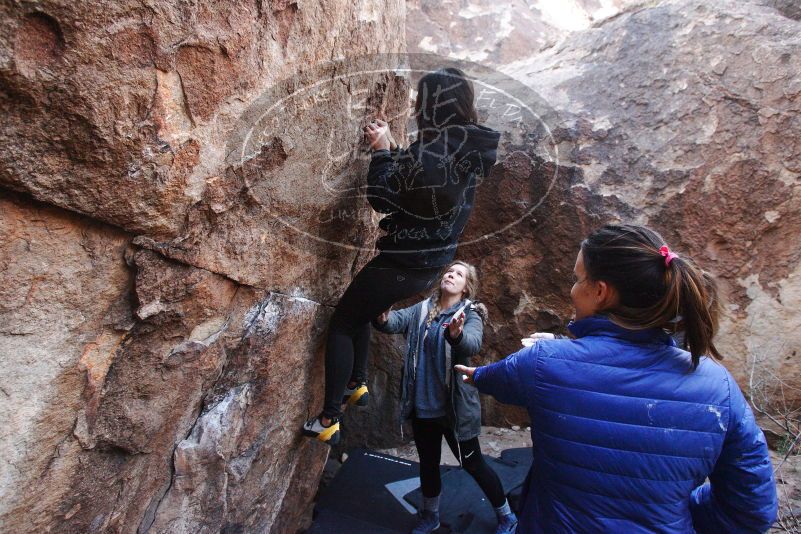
<point x="163" y="310"/>
<point x="66" y="307"/>
<point x="154" y="395"/>
<point x="125" y="112"/>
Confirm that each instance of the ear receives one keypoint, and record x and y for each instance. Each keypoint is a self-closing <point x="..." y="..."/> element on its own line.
<point x="606" y="295"/>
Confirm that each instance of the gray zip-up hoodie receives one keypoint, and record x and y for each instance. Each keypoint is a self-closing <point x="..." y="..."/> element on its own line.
<point x="464" y="408"/>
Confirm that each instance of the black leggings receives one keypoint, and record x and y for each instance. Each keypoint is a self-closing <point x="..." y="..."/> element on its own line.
<point x="428" y="434"/>
<point x="379" y="285"/>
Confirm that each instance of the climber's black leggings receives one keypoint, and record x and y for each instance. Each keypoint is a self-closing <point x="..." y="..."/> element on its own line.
<point x="428" y="434"/>
<point x="379" y="285"/>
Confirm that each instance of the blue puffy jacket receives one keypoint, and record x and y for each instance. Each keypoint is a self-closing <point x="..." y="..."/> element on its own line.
<point x="625" y="434"/>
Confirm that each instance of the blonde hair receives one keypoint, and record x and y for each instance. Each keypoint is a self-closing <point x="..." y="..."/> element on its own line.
<point x="470" y="291"/>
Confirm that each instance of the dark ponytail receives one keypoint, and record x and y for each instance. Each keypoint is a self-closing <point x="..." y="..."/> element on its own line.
<point x="655" y="290"/>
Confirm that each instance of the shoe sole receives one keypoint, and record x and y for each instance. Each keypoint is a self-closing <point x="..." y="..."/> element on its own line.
<point x="329" y="436"/>
<point x="360" y="397"/>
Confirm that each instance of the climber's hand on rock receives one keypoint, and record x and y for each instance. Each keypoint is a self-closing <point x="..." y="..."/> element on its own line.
<point x="376" y="136"/>
<point x="383" y="124"/>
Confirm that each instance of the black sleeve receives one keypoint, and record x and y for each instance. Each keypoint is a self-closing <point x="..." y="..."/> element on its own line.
<point x="383" y="185"/>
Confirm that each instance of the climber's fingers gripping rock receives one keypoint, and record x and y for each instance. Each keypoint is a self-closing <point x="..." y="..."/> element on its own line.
<point x="376" y="136"/>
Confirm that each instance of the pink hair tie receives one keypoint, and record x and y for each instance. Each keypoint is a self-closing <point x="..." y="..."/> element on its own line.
<point x="669" y="256"/>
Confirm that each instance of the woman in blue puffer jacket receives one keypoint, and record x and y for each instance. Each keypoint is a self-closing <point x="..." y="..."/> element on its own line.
<point x="627" y="427"/>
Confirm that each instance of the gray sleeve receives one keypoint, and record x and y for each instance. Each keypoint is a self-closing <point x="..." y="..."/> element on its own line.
<point x="398" y="321"/>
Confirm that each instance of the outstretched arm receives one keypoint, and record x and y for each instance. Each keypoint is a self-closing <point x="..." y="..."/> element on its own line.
<point x="381" y="196"/>
<point x="397" y="321"/>
<point x="508" y="380"/>
<point x="383" y="180"/>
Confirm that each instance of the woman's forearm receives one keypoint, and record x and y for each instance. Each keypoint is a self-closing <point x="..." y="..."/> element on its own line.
<point x="503" y="379"/>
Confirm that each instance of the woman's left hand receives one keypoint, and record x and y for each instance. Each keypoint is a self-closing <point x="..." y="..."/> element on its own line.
<point x="466" y="372"/>
<point x="455" y="326"/>
<point x="383" y="124"/>
<point x="376" y="136"/>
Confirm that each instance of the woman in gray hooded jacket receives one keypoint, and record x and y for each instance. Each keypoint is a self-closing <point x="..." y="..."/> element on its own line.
<point x="442" y="331"/>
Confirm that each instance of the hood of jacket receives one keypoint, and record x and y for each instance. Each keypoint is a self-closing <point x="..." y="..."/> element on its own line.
<point x="460" y="147"/>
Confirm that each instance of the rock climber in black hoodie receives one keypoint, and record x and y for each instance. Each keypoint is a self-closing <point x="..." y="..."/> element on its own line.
<point x="427" y="192"/>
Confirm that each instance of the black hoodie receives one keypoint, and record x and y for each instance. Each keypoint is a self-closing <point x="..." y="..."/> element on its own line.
<point x="427" y="191"/>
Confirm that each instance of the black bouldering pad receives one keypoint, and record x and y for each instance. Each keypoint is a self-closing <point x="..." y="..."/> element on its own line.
<point x="330" y="522"/>
<point x="371" y="493"/>
<point x="521" y="455"/>
<point x="358" y="500"/>
<point x="463" y="506"/>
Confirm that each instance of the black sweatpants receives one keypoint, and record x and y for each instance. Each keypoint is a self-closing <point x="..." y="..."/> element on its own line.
<point x="379" y="285"/>
<point x="428" y="434"/>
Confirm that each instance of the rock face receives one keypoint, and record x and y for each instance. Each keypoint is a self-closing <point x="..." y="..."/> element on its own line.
<point x="497" y="33"/>
<point x="682" y="115"/>
<point x="162" y="322"/>
<point x="685" y="117"/>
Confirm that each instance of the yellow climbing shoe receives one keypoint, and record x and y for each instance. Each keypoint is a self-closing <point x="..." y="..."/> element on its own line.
<point x="314" y="428"/>
<point x="356" y="396"/>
